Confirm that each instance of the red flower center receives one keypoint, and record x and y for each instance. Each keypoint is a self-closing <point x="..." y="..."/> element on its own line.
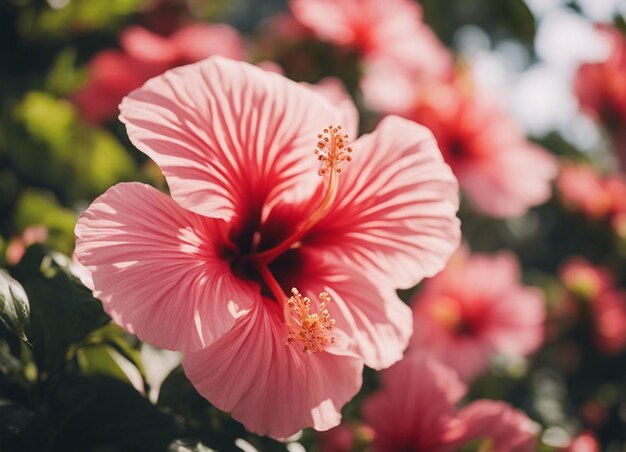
<point x="262" y="265"/>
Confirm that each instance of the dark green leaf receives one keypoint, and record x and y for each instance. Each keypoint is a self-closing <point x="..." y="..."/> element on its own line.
<point x="14" y="306"/>
<point x="102" y="411"/>
<point x="13" y="418"/>
<point x="9" y="364"/>
<point x="63" y="311"/>
<point x="517" y="17"/>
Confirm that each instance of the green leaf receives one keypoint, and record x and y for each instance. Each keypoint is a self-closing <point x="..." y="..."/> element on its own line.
<point x="97" y="360"/>
<point x="114" y="340"/>
<point x="13" y="418"/>
<point x="63" y="311"/>
<point x="517" y="17"/>
<point x="14" y="306"/>
<point x="101" y="411"/>
<point x="10" y="366"/>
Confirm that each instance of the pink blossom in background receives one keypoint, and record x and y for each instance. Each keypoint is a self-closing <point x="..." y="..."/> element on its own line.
<point x="416" y="410"/>
<point x="601" y="86"/>
<point x="585" y="280"/>
<point x="114" y="73"/>
<point x="585" y="442"/>
<point x="416" y="407"/>
<point x="389" y="33"/>
<point x="17" y="245"/>
<point x="345" y="437"/>
<point x="581" y="188"/>
<point x="501" y="426"/>
<point x="252" y="214"/>
<point x="607" y="303"/>
<point x="601" y="89"/>
<point x="477" y="308"/>
<point x="335" y="91"/>
<point x="338" y="439"/>
<point x="501" y="173"/>
<point x="609" y="313"/>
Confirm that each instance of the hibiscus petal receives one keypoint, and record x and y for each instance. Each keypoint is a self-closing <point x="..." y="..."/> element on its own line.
<point x="395" y="211"/>
<point x="335" y="91"/>
<point x="228" y="136"/>
<point x="200" y="40"/>
<point x="415" y="409"/>
<point x="510" y="182"/>
<point x="271" y="387"/>
<point x="508" y="429"/>
<point x="378" y="322"/>
<point x="158" y="268"/>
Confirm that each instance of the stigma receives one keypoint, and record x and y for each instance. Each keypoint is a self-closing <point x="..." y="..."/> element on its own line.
<point x="312" y="331"/>
<point x="332" y="149"/>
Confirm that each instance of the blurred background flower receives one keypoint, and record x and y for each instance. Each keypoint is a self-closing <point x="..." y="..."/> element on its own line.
<point x="519" y="344"/>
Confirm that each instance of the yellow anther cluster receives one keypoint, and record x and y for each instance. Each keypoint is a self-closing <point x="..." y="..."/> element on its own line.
<point x="312" y="330"/>
<point x="332" y="149"/>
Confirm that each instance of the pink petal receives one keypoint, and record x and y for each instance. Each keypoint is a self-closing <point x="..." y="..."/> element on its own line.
<point x="395" y="210"/>
<point x="158" y="268"/>
<point x="199" y="41"/>
<point x="112" y="75"/>
<point x="228" y="136"/>
<point x="415" y="409"/>
<point x="524" y="313"/>
<point x="335" y="91"/>
<point x="585" y="442"/>
<point x="476" y="308"/>
<point x="148" y="47"/>
<point x="271" y="387"/>
<point x="330" y="20"/>
<point x="379" y="323"/>
<point x="508" y="428"/>
<point x="509" y="182"/>
<point x="469" y="357"/>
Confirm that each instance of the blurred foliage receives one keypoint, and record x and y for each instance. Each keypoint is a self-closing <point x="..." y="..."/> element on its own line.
<point x="499" y="18"/>
<point x="56" y="18"/>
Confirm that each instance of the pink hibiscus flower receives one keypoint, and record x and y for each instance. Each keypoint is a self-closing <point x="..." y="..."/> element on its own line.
<point x="601" y="86"/>
<point x="583" y="189"/>
<point x="585" y="442"/>
<point x="416" y="407"/>
<point x="115" y="73"/>
<point x="609" y="313"/>
<point x="389" y="33"/>
<point x="416" y="410"/>
<point x="607" y="303"/>
<point x="501" y="427"/>
<point x="601" y="89"/>
<point x="501" y="173"/>
<point x="474" y="309"/>
<point x="585" y="280"/>
<point x="212" y="271"/>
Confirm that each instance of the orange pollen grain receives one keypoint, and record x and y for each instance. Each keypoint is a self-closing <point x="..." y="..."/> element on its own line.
<point x="312" y="330"/>
<point x="332" y="149"/>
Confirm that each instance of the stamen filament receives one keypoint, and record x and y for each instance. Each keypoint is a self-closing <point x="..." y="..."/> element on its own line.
<point x="275" y="288"/>
<point x="331" y="151"/>
<point x="268" y="256"/>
